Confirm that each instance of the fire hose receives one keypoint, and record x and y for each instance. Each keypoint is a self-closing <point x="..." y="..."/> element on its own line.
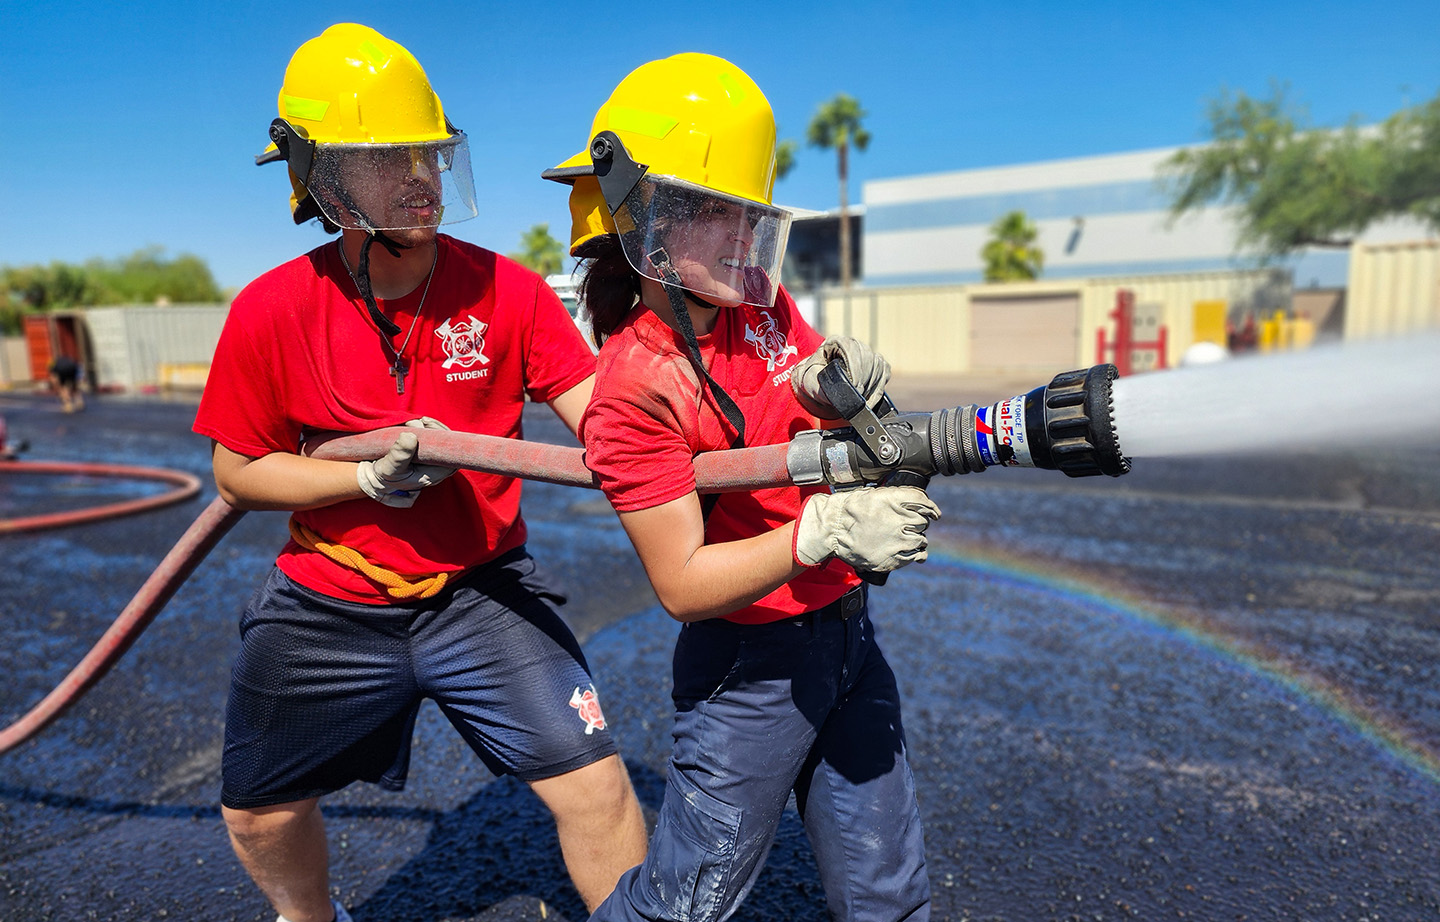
<point x="184" y="487"/>
<point x="1065" y="426"/>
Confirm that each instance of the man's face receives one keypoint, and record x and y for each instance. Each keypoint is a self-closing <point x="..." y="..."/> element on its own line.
<point x="397" y="188"/>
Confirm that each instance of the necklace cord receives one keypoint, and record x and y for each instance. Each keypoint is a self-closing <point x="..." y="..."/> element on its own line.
<point x="388" y="328"/>
<point x="384" y="325"/>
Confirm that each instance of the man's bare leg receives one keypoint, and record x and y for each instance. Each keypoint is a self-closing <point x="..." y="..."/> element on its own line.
<point x="283" y="847"/>
<point x="602" y="831"/>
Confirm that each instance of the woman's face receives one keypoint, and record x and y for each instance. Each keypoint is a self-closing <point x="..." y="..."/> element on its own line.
<point x="712" y="251"/>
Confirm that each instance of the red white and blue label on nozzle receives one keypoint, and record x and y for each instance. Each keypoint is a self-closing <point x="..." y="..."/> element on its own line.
<point x="1000" y="434"/>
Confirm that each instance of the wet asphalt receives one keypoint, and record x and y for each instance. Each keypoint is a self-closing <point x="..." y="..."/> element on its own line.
<point x="1208" y="690"/>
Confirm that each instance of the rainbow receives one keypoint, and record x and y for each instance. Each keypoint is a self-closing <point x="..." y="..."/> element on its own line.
<point x="1386" y="730"/>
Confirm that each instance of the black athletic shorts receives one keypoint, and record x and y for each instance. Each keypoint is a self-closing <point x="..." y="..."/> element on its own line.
<point x="325" y="692"/>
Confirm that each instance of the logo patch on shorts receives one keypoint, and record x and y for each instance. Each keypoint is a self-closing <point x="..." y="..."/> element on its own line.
<point x="587" y="703"/>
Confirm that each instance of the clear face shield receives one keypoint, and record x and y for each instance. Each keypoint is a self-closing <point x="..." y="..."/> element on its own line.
<point x="379" y="187"/>
<point x="725" y="249"/>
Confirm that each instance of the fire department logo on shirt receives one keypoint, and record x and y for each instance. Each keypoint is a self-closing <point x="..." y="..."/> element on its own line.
<point x="588" y="706"/>
<point x="464" y="343"/>
<point x="769" y="342"/>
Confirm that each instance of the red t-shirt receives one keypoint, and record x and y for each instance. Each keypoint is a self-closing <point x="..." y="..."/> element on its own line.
<point x="647" y="422"/>
<point x="299" y="354"/>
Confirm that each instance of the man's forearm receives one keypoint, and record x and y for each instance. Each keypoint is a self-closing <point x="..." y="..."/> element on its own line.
<point x="283" y="481"/>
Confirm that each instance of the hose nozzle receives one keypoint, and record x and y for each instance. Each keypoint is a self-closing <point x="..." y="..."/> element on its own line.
<point x="1064" y="426"/>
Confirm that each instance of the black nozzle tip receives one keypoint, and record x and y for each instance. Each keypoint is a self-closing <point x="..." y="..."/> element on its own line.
<point x="1100" y="407"/>
<point x="1080" y="426"/>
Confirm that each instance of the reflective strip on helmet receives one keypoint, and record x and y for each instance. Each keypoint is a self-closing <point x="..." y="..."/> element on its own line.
<point x="312" y="110"/>
<point x="733" y="88"/>
<point x="375" y="54"/>
<point x="651" y="124"/>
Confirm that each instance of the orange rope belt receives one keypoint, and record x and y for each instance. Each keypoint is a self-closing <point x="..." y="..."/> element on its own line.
<point x="396" y="585"/>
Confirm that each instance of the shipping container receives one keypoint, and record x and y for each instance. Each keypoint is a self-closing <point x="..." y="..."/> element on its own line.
<point x="142" y="348"/>
<point x="1394" y="289"/>
<point x="55" y="333"/>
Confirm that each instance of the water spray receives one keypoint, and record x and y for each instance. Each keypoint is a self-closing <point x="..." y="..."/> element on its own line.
<point x="1353" y="396"/>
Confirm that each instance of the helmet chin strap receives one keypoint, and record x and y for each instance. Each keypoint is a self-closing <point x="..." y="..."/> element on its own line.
<point x="386" y="326"/>
<point x="692" y="296"/>
<point x="677" y="297"/>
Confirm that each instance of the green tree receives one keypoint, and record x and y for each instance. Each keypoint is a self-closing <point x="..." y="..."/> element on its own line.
<point x="1294" y="186"/>
<point x="11" y="310"/>
<point x="539" y="251"/>
<point x="785" y="158"/>
<point x="145" y="276"/>
<point x="1011" y="254"/>
<point x="836" y="125"/>
<point x="52" y="287"/>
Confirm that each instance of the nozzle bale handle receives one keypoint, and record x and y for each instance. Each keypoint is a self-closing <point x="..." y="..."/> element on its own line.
<point x="845" y="398"/>
<point x="884" y="448"/>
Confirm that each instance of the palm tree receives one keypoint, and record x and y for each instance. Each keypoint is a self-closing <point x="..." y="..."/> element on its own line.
<point x="540" y="251"/>
<point x="837" y="125"/>
<point x="1011" y="254"/>
<point x="784" y="158"/>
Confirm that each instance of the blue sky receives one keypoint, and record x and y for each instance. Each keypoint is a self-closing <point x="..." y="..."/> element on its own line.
<point x="123" y="126"/>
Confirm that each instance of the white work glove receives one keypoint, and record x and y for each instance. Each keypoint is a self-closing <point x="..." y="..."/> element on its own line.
<point x="396" y="480"/>
<point x="877" y="529"/>
<point x="868" y="371"/>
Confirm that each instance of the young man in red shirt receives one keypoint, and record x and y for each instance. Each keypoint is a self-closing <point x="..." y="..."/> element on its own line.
<point x="402" y="581"/>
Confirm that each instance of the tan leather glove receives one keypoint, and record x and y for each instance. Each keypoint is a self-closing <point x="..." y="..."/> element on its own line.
<point x="877" y="529"/>
<point x="868" y="371"/>
<point x="396" y="480"/>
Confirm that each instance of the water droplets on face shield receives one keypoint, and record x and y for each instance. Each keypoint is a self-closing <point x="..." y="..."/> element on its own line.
<point x="381" y="187"/>
<point x="726" y="249"/>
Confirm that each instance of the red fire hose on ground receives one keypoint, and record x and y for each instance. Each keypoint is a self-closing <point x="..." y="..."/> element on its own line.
<point x="179" y="563"/>
<point x="158" y="589"/>
<point x="185" y="486"/>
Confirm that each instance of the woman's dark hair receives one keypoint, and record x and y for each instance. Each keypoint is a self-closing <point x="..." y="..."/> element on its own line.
<point x="609" y="287"/>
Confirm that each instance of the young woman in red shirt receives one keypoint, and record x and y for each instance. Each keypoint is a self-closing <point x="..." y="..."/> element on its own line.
<point x="780" y="686"/>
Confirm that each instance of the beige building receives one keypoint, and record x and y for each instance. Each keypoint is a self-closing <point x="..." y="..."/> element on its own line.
<point x="1044" y="326"/>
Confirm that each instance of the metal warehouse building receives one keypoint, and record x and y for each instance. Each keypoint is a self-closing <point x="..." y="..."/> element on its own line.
<point x="1097" y="216"/>
<point x="1121" y="282"/>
